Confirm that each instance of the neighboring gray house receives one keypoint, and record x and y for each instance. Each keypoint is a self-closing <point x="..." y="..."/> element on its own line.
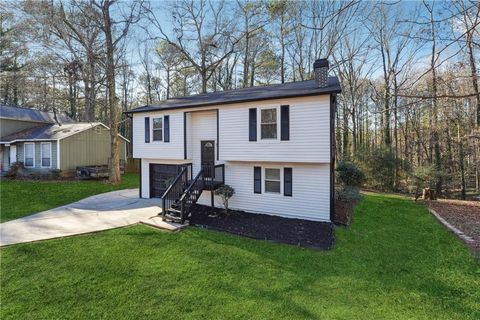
<point x="44" y="141"/>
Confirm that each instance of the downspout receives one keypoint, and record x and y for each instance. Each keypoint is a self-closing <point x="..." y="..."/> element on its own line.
<point x="333" y="106"/>
<point x="58" y="154"/>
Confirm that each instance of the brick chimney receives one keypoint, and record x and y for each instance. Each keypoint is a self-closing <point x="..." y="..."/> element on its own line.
<point x="320" y="67"/>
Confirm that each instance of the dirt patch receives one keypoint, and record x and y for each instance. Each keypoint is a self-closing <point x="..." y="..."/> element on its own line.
<point x="464" y="215"/>
<point x="311" y="234"/>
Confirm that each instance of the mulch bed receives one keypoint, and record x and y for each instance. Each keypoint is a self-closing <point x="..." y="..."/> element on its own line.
<point x="464" y="215"/>
<point x="304" y="233"/>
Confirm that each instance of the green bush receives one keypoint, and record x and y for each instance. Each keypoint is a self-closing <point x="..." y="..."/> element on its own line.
<point x="379" y="166"/>
<point x="350" y="174"/>
<point x="347" y="193"/>
<point x="15" y="170"/>
<point x="225" y="192"/>
<point x="425" y="177"/>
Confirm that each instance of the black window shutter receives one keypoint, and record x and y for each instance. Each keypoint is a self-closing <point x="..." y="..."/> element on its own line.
<point x="285" y="122"/>
<point x="166" y="128"/>
<point x="287" y="182"/>
<point x="252" y="124"/>
<point x="257" y="179"/>
<point x="147" y="129"/>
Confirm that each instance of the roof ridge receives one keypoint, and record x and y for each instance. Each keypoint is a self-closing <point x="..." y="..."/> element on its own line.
<point x="244" y="95"/>
<point x="239" y="89"/>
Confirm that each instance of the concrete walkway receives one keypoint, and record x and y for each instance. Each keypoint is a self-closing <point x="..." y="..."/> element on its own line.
<point x="100" y="212"/>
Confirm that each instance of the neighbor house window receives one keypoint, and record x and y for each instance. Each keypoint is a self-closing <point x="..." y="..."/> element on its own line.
<point x="29" y="149"/>
<point x="272" y="180"/>
<point x="269" y="123"/>
<point x="46" y="154"/>
<point x="157" y="129"/>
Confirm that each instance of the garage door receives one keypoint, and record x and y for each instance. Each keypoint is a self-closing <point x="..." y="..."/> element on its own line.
<point x="161" y="176"/>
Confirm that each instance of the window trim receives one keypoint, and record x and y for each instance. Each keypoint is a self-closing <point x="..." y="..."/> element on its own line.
<point x="41" y="155"/>
<point x="153" y="129"/>
<point x="264" y="179"/>
<point x="259" y="123"/>
<point x="25" y="154"/>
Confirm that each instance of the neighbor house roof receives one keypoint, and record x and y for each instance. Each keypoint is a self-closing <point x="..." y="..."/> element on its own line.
<point x="26" y="114"/>
<point x="276" y="91"/>
<point x="51" y="132"/>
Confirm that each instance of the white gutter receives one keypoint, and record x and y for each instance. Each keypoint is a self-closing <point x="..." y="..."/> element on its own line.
<point x="58" y="154"/>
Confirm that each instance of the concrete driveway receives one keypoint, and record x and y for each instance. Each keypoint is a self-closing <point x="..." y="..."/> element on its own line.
<point x="100" y="212"/>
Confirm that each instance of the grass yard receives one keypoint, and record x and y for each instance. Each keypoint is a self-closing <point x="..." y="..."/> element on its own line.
<point x="395" y="262"/>
<point x="20" y="198"/>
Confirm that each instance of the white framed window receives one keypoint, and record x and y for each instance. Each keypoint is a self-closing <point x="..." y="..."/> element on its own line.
<point x="272" y="180"/>
<point x="157" y="129"/>
<point x="46" y="154"/>
<point x="29" y="155"/>
<point x="269" y="123"/>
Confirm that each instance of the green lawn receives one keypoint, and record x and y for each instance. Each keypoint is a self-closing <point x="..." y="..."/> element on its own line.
<point x="20" y="198"/>
<point x="395" y="262"/>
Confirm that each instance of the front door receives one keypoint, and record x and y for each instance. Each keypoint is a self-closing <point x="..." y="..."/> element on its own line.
<point x="208" y="157"/>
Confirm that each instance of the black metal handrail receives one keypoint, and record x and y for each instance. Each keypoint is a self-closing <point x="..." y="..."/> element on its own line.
<point x="176" y="189"/>
<point x="192" y="193"/>
<point x="183" y="194"/>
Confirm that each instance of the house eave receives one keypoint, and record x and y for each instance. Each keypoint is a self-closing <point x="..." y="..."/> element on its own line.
<point x="26" y="140"/>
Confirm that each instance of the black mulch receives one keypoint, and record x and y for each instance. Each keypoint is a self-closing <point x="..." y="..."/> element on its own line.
<point x="311" y="234"/>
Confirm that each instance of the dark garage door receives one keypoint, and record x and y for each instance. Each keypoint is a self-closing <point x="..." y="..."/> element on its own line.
<point x="161" y="176"/>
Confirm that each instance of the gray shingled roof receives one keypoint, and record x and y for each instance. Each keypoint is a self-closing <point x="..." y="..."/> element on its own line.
<point x="51" y="132"/>
<point x="25" y="114"/>
<point x="276" y="91"/>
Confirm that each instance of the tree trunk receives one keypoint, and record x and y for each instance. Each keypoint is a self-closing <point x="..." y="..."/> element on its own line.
<point x="114" y="165"/>
<point x="396" y="181"/>
<point x="168" y="83"/>
<point x="203" y="75"/>
<point x="71" y="97"/>
<point x="461" y="160"/>
<point x="386" y="119"/>
<point x="345" y="133"/>
<point x="435" y="138"/>
<point x="245" y="56"/>
<point x="282" y="57"/>
<point x="473" y="69"/>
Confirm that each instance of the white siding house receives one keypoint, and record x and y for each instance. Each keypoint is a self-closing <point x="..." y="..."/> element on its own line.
<point x="274" y="142"/>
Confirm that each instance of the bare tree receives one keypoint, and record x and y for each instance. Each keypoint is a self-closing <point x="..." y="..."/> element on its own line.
<point x="203" y="34"/>
<point x="279" y="14"/>
<point x="113" y="43"/>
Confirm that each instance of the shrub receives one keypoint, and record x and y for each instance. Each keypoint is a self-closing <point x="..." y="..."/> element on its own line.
<point x="56" y="174"/>
<point x="349" y="174"/>
<point x="225" y="192"/>
<point x="423" y="177"/>
<point x="347" y="193"/>
<point x="379" y="166"/>
<point x="15" y="170"/>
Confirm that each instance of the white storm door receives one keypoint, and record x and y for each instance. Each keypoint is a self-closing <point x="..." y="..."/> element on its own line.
<point x="13" y="154"/>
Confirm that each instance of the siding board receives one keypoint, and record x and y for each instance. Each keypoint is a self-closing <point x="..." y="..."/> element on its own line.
<point x="87" y="148"/>
<point x="309" y="133"/>
<point x="310" y="199"/>
<point x="158" y="149"/>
